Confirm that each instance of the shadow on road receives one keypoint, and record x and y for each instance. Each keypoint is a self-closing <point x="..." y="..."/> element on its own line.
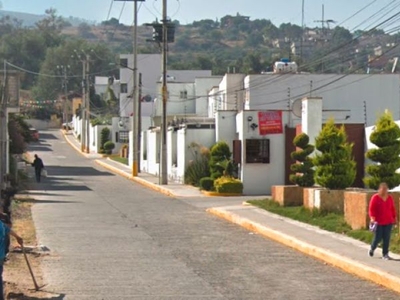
<point x="49" y="201"/>
<point x="39" y="147"/>
<point x="47" y="136"/>
<point x="74" y="172"/>
<point x="18" y="296"/>
<point x="57" y="179"/>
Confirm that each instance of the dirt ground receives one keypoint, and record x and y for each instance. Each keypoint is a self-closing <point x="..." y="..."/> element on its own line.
<point x="18" y="281"/>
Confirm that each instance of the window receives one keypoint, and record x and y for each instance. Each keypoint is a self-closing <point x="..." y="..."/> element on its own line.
<point x="184" y="94"/>
<point x="123" y="62"/>
<point x="123" y="137"/>
<point x="257" y="151"/>
<point x="124" y="88"/>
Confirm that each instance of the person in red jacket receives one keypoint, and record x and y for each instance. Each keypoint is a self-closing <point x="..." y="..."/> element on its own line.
<point x="382" y="212"/>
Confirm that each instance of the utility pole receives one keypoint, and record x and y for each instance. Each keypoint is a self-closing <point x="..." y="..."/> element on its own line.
<point x="139" y="138"/>
<point x="87" y="98"/>
<point x="164" y="165"/>
<point x="3" y="129"/>
<point x="83" y="109"/>
<point x="135" y="121"/>
<point x="302" y="32"/>
<point x="85" y="114"/>
<point x="136" y="116"/>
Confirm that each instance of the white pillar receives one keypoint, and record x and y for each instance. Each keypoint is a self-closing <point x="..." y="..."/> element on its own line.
<point x="311" y="121"/>
<point x="130" y="155"/>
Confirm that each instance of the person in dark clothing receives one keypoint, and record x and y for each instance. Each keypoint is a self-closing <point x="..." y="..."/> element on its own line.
<point x="39" y="166"/>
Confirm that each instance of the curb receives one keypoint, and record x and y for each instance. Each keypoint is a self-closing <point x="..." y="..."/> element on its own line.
<point x="348" y="265"/>
<point x="141" y="181"/>
<point x="216" y="194"/>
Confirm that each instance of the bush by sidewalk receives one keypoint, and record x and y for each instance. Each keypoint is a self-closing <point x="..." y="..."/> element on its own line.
<point x="327" y="221"/>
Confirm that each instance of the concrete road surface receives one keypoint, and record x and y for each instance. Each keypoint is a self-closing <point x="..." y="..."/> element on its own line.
<point x="113" y="239"/>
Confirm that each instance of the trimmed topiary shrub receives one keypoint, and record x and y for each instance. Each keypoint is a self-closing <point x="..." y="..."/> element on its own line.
<point x="335" y="166"/>
<point x="228" y="185"/>
<point x="303" y="169"/>
<point x="219" y="155"/>
<point x="104" y="137"/>
<point x="207" y="184"/>
<point x="109" y="147"/>
<point x="386" y="137"/>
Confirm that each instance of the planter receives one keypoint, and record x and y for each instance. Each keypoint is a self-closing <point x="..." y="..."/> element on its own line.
<point x="216" y="194"/>
<point x="356" y="205"/>
<point x="288" y="195"/>
<point x="329" y="200"/>
<point x="308" y="197"/>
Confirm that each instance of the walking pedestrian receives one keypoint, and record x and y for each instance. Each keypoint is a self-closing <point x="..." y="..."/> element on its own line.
<point x="39" y="166"/>
<point x="382" y="213"/>
<point x="4" y="232"/>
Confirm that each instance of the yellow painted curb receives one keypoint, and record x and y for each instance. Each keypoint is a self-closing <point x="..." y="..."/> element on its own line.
<point x="141" y="181"/>
<point x="72" y="144"/>
<point x="216" y="194"/>
<point x="348" y="265"/>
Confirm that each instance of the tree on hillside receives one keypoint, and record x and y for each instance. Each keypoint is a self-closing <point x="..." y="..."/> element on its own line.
<point x="85" y="31"/>
<point x="290" y="31"/>
<point x="51" y="27"/>
<point x="111" y="22"/>
<point x="25" y="48"/>
<point x="50" y="87"/>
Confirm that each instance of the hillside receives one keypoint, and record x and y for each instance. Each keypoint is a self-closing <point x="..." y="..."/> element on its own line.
<point x="29" y="20"/>
<point x="249" y="46"/>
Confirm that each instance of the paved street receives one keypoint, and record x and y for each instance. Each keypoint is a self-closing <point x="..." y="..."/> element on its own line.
<point x="114" y="239"/>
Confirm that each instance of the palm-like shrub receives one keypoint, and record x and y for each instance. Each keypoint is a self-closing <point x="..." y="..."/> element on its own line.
<point x="303" y="168"/>
<point x="335" y="166"/>
<point x="386" y="137"/>
<point x="219" y="155"/>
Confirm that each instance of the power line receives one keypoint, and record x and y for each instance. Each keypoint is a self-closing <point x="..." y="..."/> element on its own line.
<point x="56" y="76"/>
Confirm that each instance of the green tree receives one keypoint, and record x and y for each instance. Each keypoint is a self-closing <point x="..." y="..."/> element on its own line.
<point x="303" y="168"/>
<point x="335" y="166"/>
<point x="387" y="154"/>
<point x="219" y="154"/>
<point x="48" y="87"/>
<point x="50" y="27"/>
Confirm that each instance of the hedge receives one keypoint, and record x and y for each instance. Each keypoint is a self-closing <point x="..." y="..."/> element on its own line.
<point x="228" y="185"/>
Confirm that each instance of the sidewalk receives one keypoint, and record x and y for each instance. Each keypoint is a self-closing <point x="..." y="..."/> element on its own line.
<point x="172" y="189"/>
<point x="340" y="251"/>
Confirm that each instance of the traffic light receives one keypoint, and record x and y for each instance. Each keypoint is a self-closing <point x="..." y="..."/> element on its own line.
<point x="158" y="32"/>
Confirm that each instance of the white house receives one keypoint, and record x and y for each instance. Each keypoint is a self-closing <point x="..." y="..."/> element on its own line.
<point x="102" y="83"/>
<point x="149" y="65"/>
<point x="347" y="98"/>
<point x="227" y="95"/>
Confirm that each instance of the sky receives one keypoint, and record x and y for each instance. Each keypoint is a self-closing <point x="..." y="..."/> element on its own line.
<point x="278" y="11"/>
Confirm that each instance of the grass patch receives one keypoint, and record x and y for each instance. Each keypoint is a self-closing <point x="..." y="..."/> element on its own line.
<point x="327" y="221"/>
<point x="121" y="160"/>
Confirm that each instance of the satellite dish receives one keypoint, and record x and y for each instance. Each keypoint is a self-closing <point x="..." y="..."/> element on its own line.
<point x="297" y="108"/>
<point x="147" y="98"/>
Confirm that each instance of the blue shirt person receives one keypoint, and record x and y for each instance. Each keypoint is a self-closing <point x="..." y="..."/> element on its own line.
<point x="4" y="232"/>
